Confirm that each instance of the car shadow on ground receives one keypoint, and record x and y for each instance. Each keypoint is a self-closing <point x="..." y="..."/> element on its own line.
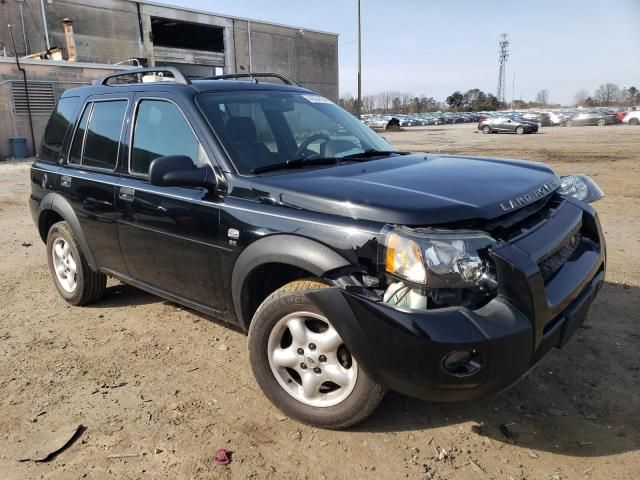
<point x="124" y="295"/>
<point x="578" y="401"/>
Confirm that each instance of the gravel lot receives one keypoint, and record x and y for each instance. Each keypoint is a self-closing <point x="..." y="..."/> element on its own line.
<point x="160" y="388"/>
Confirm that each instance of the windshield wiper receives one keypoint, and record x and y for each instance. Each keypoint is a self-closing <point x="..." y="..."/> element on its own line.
<point x="303" y="162"/>
<point x="296" y="163"/>
<point x="372" y="152"/>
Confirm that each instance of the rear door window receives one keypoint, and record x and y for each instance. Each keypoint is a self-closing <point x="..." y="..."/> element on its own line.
<point x="75" y="154"/>
<point x="97" y="138"/>
<point x="103" y="134"/>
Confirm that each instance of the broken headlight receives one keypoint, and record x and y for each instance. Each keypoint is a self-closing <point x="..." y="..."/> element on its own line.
<point x="581" y="187"/>
<point x="437" y="258"/>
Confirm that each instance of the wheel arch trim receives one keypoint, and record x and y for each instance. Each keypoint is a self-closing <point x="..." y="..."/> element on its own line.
<point x="58" y="204"/>
<point x="296" y="251"/>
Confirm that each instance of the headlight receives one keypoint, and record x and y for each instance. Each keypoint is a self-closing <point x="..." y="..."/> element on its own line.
<point x="437" y="258"/>
<point x="580" y="186"/>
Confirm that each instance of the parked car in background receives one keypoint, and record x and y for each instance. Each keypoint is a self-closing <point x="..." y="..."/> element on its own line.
<point x="632" y="118"/>
<point x="558" y="119"/>
<point x="591" y="118"/>
<point x="507" y="125"/>
<point x="540" y="118"/>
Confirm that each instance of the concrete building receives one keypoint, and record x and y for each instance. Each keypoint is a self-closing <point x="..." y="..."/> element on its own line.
<point x="139" y="32"/>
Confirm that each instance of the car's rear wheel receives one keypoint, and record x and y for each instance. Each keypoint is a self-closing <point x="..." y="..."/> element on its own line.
<point x="601" y="122"/>
<point x="303" y="366"/>
<point x="634" y="121"/>
<point x="569" y="123"/>
<point x="73" y="278"/>
<point x="486" y="129"/>
<point x="519" y="130"/>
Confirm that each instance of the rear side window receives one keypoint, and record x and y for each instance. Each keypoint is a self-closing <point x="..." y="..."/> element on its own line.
<point x="97" y="138"/>
<point x="59" y="122"/>
<point x="161" y="130"/>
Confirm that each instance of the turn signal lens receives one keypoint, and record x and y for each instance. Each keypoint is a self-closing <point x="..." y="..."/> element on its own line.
<point x="404" y="259"/>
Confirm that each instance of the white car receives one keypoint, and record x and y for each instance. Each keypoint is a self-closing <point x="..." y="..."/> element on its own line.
<point x="632" y="118"/>
<point x="557" y="118"/>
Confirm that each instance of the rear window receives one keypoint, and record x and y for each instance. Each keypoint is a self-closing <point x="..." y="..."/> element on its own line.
<point x="57" y="127"/>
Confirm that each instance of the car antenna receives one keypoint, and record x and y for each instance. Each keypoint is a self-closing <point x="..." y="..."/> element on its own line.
<point x="242" y="67"/>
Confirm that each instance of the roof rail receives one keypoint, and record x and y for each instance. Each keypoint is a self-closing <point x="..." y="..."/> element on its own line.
<point x="254" y="77"/>
<point x="177" y="74"/>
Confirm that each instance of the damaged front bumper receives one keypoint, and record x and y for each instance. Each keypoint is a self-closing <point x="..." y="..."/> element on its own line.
<point x="407" y="350"/>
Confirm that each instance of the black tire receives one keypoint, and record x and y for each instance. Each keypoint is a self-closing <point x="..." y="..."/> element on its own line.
<point x="486" y="129"/>
<point x="90" y="285"/>
<point x="601" y="122"/>
<point x="634" y="121"/>
<point x="520" y="130"/>
<point x="358" y="405"/>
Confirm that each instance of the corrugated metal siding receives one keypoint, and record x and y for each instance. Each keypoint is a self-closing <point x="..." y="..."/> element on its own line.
<point x="41" y="97"/>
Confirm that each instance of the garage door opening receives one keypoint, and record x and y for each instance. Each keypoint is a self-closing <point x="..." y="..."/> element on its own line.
<point x="186" y="35"/>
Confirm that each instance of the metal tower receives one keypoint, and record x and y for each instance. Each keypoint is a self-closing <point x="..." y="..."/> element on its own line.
<point x="503" y="55"/>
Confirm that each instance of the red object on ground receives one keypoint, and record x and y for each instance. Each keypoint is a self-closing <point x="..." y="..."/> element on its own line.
<point x="222" y="457"/>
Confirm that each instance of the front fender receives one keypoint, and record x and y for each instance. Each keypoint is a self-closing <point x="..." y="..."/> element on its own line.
<point x="296" y="251"/>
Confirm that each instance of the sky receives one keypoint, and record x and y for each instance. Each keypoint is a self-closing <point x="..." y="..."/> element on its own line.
<point x="434" y="47"/>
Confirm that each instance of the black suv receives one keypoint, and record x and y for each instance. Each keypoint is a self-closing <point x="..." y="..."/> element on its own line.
<point x="354" y="267"/>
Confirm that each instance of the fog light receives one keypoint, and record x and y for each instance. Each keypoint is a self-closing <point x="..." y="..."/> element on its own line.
<point x="462" y="363"/>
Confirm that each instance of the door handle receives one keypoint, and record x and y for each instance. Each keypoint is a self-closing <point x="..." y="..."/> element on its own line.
<point x="65" y="181"/>
<point x="126" y="194"/>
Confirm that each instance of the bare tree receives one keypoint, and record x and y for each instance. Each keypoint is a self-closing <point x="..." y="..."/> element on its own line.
<point x="368" y="103"/>
<point x="581" y="97"/>
<point x="607" y="94"/>
<point x="542" y="97"/>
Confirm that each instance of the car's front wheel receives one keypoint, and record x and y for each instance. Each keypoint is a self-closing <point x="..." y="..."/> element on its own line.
<point x="73" y="278"/>
<point x="601" y="122"/>
<point x="486" y="129"/>
<point x="519" y="130"/>
<point x="302" y="365"/>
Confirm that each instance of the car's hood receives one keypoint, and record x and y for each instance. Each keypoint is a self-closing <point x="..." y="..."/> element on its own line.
<point x="414" y="189"/>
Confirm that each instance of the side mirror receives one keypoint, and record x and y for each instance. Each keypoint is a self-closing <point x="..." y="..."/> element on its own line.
<point x="179" y="171"/>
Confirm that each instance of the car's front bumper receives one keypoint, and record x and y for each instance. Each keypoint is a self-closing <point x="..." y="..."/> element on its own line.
<point x="404" y="350"/>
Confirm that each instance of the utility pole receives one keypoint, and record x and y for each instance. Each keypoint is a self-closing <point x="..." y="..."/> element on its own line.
<point x="513" y="90"/>
<point x="44" y="24"/>
<point x="359" y="105"/>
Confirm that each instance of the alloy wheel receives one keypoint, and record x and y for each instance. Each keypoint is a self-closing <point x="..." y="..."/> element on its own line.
<point x="65" y="265"/>
<point x="310" y="361"/>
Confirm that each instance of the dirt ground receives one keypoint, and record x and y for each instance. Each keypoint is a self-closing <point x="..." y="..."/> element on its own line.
<point x="159" y="388"/>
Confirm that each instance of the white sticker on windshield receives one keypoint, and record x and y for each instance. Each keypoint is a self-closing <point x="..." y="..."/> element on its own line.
<point x="317" y="99"/>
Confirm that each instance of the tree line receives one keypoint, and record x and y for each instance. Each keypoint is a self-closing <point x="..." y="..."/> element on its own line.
<point x="474" y="100"/>
<point x="608" y="95"/>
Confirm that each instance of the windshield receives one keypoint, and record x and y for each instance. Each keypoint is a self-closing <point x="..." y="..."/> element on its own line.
<point x="263" y="128"/>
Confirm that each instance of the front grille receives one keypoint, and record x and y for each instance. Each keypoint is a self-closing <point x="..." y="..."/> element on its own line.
<point x="550" y="265"/>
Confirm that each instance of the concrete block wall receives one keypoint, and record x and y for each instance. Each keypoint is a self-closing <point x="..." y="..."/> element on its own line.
<point x="307" y="56"/>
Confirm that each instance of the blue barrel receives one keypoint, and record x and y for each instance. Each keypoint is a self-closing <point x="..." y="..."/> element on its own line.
<point x="18" y="147"/>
